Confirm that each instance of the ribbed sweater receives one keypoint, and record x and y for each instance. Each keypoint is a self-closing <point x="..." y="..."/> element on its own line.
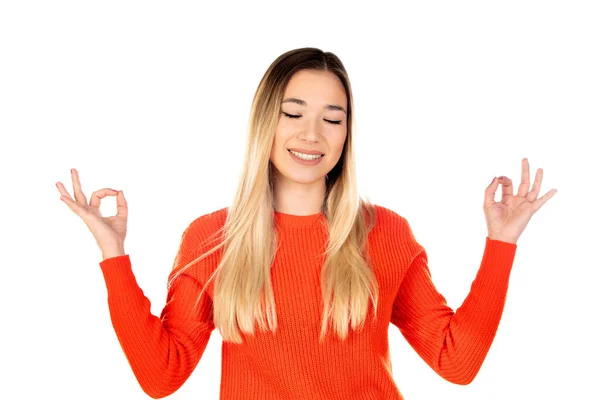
<point x="292" y="364"/>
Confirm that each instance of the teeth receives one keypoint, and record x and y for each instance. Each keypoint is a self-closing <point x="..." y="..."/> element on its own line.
<point x="306" y="156"/>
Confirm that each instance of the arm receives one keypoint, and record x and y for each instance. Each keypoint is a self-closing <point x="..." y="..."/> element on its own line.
<point x="162" y="352"/>
<point x="454" y="344"/>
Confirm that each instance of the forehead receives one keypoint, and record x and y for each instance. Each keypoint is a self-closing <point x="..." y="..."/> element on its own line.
<point x="316" y="88"/>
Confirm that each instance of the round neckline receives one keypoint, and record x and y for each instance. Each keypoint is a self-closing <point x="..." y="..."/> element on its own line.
<point x="292" y="220"/>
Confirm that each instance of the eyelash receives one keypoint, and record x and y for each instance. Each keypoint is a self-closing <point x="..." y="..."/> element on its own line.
<point x="298" y="116"/>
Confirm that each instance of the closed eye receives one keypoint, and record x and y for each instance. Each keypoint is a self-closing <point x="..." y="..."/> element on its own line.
<point x="298" y="116"/>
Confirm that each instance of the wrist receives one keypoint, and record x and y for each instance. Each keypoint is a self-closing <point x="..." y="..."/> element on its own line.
<point x="112" y="252"/>
<point x="502" y="239"/>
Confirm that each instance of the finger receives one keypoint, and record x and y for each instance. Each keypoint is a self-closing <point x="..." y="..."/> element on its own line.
<point x="79" y="196"/>
<point x="100" y="194"/>
<point x="540" y="202"/>
<point x="121" y="205"/>
<point x="490" y="193"/>
<point x="62" y="190"/>
<point x="537" y="184"/>
<point x="507" y="188"/>
<point x="524" y="186"/>
<point x="73" y="205"/>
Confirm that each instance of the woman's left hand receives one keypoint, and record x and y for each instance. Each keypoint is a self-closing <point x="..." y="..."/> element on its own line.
<point x="507" y="218"/>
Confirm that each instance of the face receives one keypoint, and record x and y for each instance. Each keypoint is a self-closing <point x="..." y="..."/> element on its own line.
<point x="312" y="119"/>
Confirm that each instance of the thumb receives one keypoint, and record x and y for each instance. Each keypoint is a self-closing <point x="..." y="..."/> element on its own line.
<point x="121" y="205"/>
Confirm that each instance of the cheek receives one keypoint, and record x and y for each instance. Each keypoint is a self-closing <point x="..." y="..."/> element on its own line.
<point x="338" y="143"/>
<point x="283" y="134"/>
<point x="278" y="145"/>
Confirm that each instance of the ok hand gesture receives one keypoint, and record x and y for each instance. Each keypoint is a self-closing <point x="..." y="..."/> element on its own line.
<point x="507" y="218"/>
<point x="109" y="232"/>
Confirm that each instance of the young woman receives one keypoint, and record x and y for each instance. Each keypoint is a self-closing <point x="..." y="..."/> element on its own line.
<point x="299" y="255"/>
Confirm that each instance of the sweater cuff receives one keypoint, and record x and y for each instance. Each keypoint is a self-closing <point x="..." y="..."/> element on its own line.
<point x="497" y="262"/>
<point x="118" y="275"/>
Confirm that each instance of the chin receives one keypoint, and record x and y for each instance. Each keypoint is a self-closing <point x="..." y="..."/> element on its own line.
<point x="305" y="179"/>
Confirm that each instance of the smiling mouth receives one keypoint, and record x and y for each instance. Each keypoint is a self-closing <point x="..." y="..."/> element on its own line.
<point x="305" y="156"/>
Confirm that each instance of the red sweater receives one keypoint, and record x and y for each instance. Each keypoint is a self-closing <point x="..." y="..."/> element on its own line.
<point x="292" y="364"/>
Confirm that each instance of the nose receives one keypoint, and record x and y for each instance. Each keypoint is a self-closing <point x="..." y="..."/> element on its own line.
<point x="311" y="131"/>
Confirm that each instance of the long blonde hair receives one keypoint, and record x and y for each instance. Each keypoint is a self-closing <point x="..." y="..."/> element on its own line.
<point x="243" y="292"/>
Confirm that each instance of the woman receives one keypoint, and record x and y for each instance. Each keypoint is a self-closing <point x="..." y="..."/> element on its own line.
<point x="301" y="256"/>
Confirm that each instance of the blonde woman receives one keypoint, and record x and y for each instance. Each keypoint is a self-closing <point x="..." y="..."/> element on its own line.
<point x="300" y="275"/>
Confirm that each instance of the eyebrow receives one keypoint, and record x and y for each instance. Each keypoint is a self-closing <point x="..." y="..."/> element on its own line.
<point x="303" y="103"/>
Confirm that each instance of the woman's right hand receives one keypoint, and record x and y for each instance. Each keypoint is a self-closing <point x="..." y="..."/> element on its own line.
<point x="109" y="232"/>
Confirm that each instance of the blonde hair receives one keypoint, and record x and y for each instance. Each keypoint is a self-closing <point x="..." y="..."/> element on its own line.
<point x="243" y="292"/>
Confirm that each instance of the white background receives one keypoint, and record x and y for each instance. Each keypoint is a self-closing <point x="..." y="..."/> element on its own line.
<point x="153" y="98"/>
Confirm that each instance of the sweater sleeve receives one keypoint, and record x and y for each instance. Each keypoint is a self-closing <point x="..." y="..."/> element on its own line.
<point x="454" y="344"/>
<point x="162" y="352"/>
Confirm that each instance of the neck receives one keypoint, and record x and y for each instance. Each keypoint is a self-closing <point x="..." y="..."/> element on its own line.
<point x="298" y="198"/>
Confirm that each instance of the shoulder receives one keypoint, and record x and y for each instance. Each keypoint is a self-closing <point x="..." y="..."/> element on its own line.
<point x="208" y="223"/>
<point x="393" y="227"/>
<point x="388" y="219"/>
<point x="203" y="231"/>
<point x="200" y="236"/>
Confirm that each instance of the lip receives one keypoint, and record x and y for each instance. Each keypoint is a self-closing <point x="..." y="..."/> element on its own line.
<point x="304" y="151"/>
<point x="303" y="161"/>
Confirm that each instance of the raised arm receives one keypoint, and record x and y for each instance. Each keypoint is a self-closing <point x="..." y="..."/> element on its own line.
<point x="454" y="344"/>
<point x="162" y="352"/>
